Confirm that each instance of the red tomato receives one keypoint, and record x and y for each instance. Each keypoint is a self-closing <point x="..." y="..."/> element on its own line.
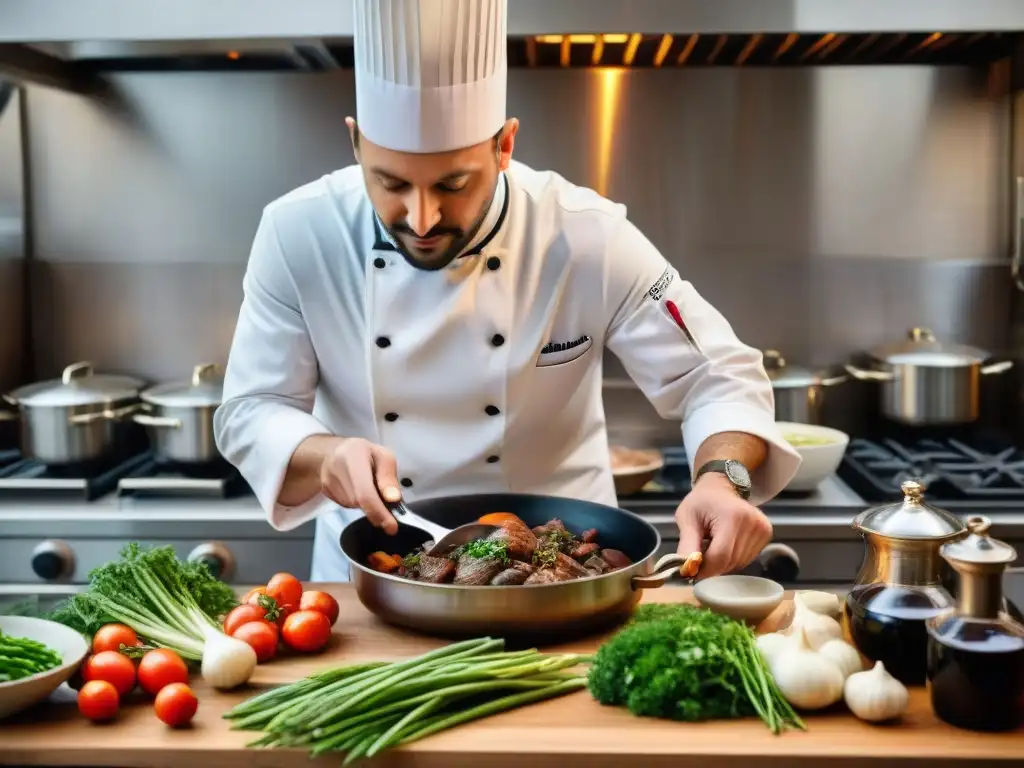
<point x="160" y="668"/>
<point x="244" y="614"/>
<point x="283" y="612"/>
<point x="322" y="602"/>
<point x="111" y="637"/>
<point x="253" y="595"/>
<point x="116" y="668"/>
<point x="262" y="636"/>
<point x="176" y="705"/>
<point x="306" y="631"/>
<point x="98" y="700"/>
<point x="285" y="589"/>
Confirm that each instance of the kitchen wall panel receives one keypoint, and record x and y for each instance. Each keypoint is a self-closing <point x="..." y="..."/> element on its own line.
<point x="12" y="251"/>
<point x="822" y="210"/>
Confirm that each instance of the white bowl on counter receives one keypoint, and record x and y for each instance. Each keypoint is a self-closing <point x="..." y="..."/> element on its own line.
<point x="821" y="449"/>
<point x="744" y="598"/>
<point x="633" y="468"/>
<point x="18" y="695"/>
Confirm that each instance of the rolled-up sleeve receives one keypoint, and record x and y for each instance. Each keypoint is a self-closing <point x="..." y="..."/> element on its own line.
<point x="270" y="383"/>
<point x="687" y="359"/>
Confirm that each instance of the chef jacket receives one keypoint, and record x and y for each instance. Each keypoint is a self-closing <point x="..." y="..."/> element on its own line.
<point x="484" y="376"/>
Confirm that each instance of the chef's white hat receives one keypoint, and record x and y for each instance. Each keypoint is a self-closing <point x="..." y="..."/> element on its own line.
<point x="430" y="74"/>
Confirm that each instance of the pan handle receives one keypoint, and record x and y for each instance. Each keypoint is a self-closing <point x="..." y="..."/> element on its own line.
<point x="113" y="415"/>
<point x="863" y="375"/>
<point x="666" y="568"/>
<point x="156" y="421"/>
<point x="988" y="370"/>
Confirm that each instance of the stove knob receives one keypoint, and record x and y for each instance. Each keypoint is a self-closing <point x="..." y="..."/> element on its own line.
<point x="780" y="563"/>
<point x="217" y="557"/>
<point x="53" y="560"/>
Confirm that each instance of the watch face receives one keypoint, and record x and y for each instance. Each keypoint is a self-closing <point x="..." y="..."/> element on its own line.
<point x="737" y="474"/>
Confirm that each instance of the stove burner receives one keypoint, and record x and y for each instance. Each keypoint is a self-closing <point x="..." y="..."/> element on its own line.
<point x="27" y="477"/>
<point x="153" y="480"/>
<point x="950" y="469"/>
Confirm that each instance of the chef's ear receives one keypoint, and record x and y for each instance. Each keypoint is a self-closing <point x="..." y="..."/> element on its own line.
<point x="353" y="134"/>
<point x="506" y="141"/>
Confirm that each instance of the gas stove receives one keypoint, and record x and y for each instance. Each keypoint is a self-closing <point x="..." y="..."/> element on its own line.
<point x="26" y="477"/>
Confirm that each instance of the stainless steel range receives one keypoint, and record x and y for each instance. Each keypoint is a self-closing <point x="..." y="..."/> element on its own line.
<point x="55" y="526"/>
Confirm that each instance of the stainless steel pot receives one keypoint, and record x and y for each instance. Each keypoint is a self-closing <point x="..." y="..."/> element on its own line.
<point x="567" y="607"/>
<point x="179" y="417"/>
<point x="925" y="381"/>
<point x="799" y="392"/>
<point x="73" y="419"/>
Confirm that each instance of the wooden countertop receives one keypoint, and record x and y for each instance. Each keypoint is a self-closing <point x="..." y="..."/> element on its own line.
<point x="573" y="730"/>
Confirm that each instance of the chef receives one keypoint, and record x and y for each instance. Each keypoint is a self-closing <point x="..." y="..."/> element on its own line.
<point x="433" y="320"/>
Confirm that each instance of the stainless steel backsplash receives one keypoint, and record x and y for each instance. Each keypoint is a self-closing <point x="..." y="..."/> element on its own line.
<point x="822" y="210"/>
<point x="12" y="249"/>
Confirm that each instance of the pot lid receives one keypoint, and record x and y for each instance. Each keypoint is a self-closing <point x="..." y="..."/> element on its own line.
<point x="922" y="348"/>
<point x="910" y="518"/>
<point x="785" y="376"/>
<point x="978" y="548"/>
<point x="78" y="385"/>
<point x="205" y="388"/>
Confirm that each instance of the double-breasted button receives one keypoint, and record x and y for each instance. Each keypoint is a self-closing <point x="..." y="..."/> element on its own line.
<point x="379" y="263"/>
<point x="383" y="342"/>
<point x="492" y="459"/>
<point x="497" y="339"/>
<point x="492" y="410"/>
<point x="493" y="263"/>
<point x="406" y="482"/>
<point x="391" y="416"/>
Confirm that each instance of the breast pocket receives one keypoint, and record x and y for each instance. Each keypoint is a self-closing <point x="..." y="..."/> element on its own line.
<point x="556" y="353"/>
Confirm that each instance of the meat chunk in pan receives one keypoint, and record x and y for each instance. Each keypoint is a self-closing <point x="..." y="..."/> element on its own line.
<point x="517" y="537"/>
<point x="551" y="526"/>
<point x="516" y="573"/>
<point x="435" y="570"/>
<point x="595" y="564"/>
<point x="477" y="571"/>
<point x="615" y="558"/>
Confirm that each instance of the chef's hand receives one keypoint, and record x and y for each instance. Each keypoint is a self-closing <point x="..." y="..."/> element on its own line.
<point x="713" y="510"/>
<point x="358" y="474"/>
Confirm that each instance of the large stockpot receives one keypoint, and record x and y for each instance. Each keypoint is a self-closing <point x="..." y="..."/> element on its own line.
<point x="73" y="419"/>
<point x="799" y="392"/>
<point x="925" y="381"/>
<point x="179" y="417"/>
<point x="568" y="607"/>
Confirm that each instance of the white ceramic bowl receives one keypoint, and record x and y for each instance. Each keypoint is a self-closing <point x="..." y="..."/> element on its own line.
<point x="745" y="598"/>
<point x="819" y="459"/>
<point x="18" y="695"/>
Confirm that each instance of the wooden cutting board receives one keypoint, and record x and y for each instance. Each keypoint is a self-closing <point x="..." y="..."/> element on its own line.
<point x="570" y="731"/>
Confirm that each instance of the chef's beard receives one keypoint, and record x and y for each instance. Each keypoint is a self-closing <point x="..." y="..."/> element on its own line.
<point x="461" y="238"/>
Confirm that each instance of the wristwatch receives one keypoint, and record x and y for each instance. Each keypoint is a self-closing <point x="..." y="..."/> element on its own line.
<point x="734" y="472"/>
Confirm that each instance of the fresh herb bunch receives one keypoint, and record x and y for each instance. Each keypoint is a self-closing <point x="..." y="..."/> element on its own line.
<point x="163" y="599"/>
<point x="686" y="663"/>
<point x="483" y="549"/>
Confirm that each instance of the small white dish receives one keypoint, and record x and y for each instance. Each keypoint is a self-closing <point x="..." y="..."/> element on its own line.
<point x="744" y="598"/>
<point x="18" y="695"/>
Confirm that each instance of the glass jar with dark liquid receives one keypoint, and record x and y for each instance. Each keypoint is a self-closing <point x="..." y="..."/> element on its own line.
<point x="900" y="585"/>
<point x="976" y="650"/>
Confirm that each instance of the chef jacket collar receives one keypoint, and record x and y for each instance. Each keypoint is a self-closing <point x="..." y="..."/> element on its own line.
<point x="492" y="224"/>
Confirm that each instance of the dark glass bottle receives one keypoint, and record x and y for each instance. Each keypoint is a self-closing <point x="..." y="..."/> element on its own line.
<point x="976" y="650"/>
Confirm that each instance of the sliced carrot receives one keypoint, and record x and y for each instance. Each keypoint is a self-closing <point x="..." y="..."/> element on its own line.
<point x="383" y="562"/>
<point x="499" y="518"/>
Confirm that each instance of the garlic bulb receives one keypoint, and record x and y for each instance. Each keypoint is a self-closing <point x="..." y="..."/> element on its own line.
<point x="772" y="644"/>
<point x="875" y="695"/>
<point x="825" y="603"/>
<point x="807" y="679"/>
<point x="819" y="628"/>
<point x="843" y="655"/>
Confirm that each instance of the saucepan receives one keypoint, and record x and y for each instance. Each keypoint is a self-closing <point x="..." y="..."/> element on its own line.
<point x="179" y="417"/>
<point x="562" y="608"/>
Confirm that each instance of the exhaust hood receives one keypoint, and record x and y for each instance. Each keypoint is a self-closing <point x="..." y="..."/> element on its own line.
<point x="69" y="42"/>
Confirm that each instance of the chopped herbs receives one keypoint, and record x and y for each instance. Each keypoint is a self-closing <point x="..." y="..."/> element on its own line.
<point x="411" y="561"/>
<point x="483" y="549"/>
<point x="549" y="544"/>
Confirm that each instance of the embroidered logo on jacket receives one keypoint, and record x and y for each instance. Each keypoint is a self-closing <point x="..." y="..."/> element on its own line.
<point x="657" y="290"/>
<point x="564" y="345"/>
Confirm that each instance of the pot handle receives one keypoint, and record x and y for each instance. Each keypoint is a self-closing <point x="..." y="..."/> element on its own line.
<point x="833" y="380"/>
<point x="203" y="372"/>
<point x="666" y="568"/>
<point x="160" y="422"/>
<point x="13" y="401"/>
<point x="113" y="415"/>
<point x="9" y="415"/>
<point x="861" y="374"/>
<point x="1005" y="365"/>
<point x="75" y="371"/>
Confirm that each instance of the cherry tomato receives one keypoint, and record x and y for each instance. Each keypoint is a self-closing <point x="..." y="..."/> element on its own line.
<point x="283" y="612"/>
<point x="160" y="668"/>
<point x="176" y="705"/>
<point x="322" y="602"/>
<point x="253" y="595"/>
<point x="98" y="700"/>
<point x="116" y="668"/>
<point x="285" y="589"/>
<point x="262" y="636"/>
<point x="111" y="637"/>
<point x="244" y="614"/>
<point x="306" y="631"/>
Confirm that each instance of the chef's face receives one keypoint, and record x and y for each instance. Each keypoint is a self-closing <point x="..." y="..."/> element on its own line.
<point x="432" y="205"/>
